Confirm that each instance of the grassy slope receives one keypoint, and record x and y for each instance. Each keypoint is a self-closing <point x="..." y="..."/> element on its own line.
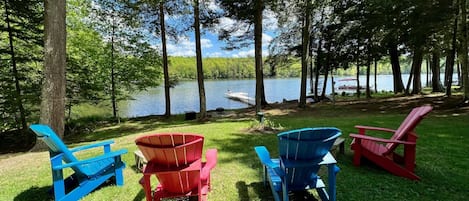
<point x="441" y="158"/>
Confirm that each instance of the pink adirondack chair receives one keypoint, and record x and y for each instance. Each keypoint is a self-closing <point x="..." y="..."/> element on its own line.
<point x="176" y="160"/>
<point x="382" y="151"/>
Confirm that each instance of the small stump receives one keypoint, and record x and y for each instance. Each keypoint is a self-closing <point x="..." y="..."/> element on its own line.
<point x="140" y="160"/>
<point x="190" y="115"/>
<point x="339" y="142"/>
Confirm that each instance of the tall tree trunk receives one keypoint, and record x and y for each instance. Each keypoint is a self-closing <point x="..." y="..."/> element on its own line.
<point x="258" y="53"/>
<point x="18" y="96"/>
<point x="368" y="69"/>
<point x="167" y="86"/>
<point x="311" y="74"/>
<point x="451" y="54"/>
<point x="317" y="70"/>
<point x="358" y="70"/>
<point x="436" y="82"/>
<point x="409" y="81"/>
<point x="417" y="69"/>
<point x="464" y="62"/>
<point x="326" y="72"/>
<point x="396" y="69"/>
<point x="200" y="71"/>
<point x="427" y="65"/>
<point x="113" y="73"/>
<point x="53" y="88"/>
<point x="458" y="67"/>
<point x="376" y="75"/>
<point x="305" y="54"/>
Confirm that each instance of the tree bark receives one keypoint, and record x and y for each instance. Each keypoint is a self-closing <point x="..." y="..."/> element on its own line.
<point x="358" y="70"/>
<point x="258" y="53"/>
<point x="311" y="74"/>
<point x="326" y="72"/>
<point x="368" y="70"/>
<point x="417" y="69"/>
<point x="113" y="71"/>
<point x="165" y="63"/>
<point x="436" y="82"/>
<point x="53" y="88"/>
<point x="305" y="54"/>
<point x="396" y="69"/>
<point x="316" y="69"/>
<point x="451" y="55"/>
<point x="200" y="71"/>
<point x="376" y="75"/>
<point x="464" y="61"/>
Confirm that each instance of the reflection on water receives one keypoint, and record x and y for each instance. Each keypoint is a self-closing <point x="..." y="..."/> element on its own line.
<point x="184" y="97"/>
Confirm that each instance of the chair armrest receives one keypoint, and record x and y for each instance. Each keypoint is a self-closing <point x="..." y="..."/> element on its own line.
<point x="90" y="146"/>
<point x="90" y="160"/>
<point x="211" y="157"/>
<point x="364" y="137"/>
<point x="264" y="156"/>
<point x="375" y="128"/>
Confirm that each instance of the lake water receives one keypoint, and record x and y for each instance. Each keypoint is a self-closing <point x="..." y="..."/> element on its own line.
<point x="184" y="96"/>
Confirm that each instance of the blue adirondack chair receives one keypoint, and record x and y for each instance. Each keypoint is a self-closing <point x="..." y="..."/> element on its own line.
<point x="88" y="173"/>
<point x="302" y="152"/>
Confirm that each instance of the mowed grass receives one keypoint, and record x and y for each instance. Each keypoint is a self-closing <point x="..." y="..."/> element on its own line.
<point x="442" y="158"/>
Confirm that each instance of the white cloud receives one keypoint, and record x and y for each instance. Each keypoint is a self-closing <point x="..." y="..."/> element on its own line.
<point x="266" y="39"/>
<point x="227" y="23"/>
<point x="247" y="53"/>
<point x="184" y="47"/>
<point x="206" y="43"/>
<point x="216" y="54"/>
<point x="270" y="20"/>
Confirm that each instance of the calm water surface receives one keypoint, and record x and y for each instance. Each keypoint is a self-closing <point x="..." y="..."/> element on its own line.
<point x="184" y="96"/>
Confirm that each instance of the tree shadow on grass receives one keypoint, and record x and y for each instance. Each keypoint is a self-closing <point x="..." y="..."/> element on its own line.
<point x="256" y="187"/>
<point x="129" y="128"/>
<point x="139" y="196"/>
<point x="35" y="193"/>
<point x="265" y="193"/>
<point x="47" y="192"/>
<point x="241" y="147"/>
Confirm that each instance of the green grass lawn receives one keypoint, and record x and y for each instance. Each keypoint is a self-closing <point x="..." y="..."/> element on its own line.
<point x="442" y="157"/>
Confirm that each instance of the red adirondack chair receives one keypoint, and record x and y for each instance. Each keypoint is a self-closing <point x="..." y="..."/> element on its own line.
<point x="382" y="151"/>
<point x="176" y="160"/>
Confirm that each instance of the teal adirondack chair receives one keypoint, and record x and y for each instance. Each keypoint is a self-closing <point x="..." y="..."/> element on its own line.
<point x="88" y="173"/>
<point x="302" y="152"/>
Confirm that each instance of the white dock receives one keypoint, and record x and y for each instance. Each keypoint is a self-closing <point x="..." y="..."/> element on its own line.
<point x="241" y="97"/>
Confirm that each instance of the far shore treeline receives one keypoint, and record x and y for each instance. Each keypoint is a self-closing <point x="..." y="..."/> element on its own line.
<point x="183" y="68"/>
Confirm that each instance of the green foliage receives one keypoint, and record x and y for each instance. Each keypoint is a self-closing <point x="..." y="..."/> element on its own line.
<point x="20" y="56"/>
<point x="95" y="62"/>
<point x="267" y="125"/>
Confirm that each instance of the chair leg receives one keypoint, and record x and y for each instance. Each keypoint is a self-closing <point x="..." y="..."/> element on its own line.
<point x="119" y="177"/>
<point x="357" y="156"/>
<point x="59" y="184"/>
<point x="145" y="182"/>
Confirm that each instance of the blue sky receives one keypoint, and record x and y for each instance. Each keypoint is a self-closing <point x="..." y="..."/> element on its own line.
<point x="212" y="47"/>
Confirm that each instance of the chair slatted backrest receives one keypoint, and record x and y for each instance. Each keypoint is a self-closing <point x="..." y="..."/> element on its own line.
<point x="408" y="125"/>
<point x="300" y="152"/>
<point x="171" y="150"/>
<point x="180" y="182"/>
<point x="55" y="144"/>
<point x="307" y="143"/>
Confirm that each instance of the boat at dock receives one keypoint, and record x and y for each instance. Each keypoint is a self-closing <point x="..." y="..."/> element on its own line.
<point x="241" y="97"/>
<point x="348" y="86"/>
